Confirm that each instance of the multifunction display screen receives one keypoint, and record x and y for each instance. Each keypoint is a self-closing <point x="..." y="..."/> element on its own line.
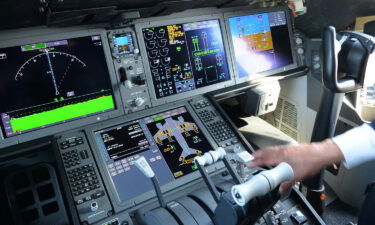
<point x="169" y="141"/>
<point x="123" y="44"/>
<point x="49" y="83"/>
<point x="260" y="42"/>
<point x="184" y="57"/>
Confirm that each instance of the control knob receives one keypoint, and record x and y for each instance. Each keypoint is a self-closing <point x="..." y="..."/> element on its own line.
<point x="299" y="41"/>
<point x="300" y="51"/>
<point x="128" y="84"/>
<point x="139" y="101"/>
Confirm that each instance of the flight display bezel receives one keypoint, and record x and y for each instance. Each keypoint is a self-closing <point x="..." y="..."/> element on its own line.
<point x="37" y="36"/>
<point x="179" y="182"/>
<point x="266" y="73"/>
<point x="165" y="22"/>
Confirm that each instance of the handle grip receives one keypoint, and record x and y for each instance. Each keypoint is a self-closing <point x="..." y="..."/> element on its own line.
<point x="262" y="183"/>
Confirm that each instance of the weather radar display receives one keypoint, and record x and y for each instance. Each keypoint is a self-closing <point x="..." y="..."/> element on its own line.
<point x="49" y="83"/>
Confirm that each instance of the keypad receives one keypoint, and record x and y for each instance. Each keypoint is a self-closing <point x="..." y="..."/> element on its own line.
<point x="207" y="115"/>
<point x="71" y="158"/>
<point x="201" y="104"/>
<point x="96" y="195"/>
<point x="71" y="143"/>
<point x="83" y="179"/>
<point x="220" y="130"/>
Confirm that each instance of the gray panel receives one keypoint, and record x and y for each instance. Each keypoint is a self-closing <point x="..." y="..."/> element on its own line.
<point x="134" y="91"/>
<point x="86" y="186"/>
<point x="206" y="198"/>
<point x="155" y="22"/>
<point x="196" y="211"/>
<point x="216" y="125"/>
<point x="49" y="36"/>
<point x="159" y="216"/>
<point x="181" y="213"/>
<point x="118" y="205"/>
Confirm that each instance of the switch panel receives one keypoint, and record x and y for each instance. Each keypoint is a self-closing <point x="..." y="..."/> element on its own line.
<point x="84" y="179"/>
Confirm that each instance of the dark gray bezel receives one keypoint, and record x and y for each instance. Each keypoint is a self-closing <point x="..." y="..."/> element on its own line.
<point x="237" y="13"/>
<point x="122" y="31"/>
<point x="169" y="21"/>
<point x="119" y="205"/>
<point x="50" y="36"/>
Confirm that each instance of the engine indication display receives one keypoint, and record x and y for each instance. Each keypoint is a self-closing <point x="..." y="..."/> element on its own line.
<point x="168" y="140"/>
<point x="184" y="57"/>
<point x="50" y="83"/>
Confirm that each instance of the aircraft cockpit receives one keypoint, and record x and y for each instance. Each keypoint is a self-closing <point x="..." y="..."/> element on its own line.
<point x="148" y="112"/>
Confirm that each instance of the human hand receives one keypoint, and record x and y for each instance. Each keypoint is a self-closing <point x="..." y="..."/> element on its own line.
<point x="305" y="159"/>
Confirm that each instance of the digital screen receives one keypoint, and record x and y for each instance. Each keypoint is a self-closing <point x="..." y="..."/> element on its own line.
<point x="184" y="57"/>
<point x="169" y="141"/>
<point x="261" y="42"/>
<point x="50" y="83"/>
<point x="123" y="44"/>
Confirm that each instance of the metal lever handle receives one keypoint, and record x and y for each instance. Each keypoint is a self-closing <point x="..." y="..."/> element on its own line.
<point x="262" y="183"/>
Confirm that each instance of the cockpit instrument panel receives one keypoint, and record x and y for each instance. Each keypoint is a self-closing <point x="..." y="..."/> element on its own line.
<point x="169" y="141"/>
<point x="185" y="56"/>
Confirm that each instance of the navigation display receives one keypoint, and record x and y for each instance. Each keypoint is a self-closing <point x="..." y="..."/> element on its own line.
<point x="169" y="141"/>
<point x="260" y="42"/>
<point x="184" y="57"/>
<point x="50" y="83"/>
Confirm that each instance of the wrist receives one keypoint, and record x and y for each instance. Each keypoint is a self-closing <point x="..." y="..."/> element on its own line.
<point x="329" y="153"/>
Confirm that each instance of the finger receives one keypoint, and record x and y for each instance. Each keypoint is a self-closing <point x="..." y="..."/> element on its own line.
<point x="286" y="185"/>
<point x="258" y="154"/>
<point x="255" y="163"/>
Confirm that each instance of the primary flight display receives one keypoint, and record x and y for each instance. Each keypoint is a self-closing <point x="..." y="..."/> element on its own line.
<point x="260" y="43"/>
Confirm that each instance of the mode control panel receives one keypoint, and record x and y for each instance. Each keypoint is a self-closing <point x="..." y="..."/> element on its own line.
<point x="85" y="183"/>
<point x="215" y="124"/>
<point x="129" y="68"/>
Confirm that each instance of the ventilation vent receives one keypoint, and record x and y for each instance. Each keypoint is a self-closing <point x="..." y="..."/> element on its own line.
<point x="285" y="118"/>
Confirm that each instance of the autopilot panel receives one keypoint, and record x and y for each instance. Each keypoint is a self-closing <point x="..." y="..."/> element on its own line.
<point x="184" y="57"/>
<point x="169" y="141"/>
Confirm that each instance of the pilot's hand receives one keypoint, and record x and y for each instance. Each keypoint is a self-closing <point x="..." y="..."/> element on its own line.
<point x="305" y="159"/>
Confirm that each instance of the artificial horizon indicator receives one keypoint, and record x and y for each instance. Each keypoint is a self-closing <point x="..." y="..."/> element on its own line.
<point x="260" y="43"/>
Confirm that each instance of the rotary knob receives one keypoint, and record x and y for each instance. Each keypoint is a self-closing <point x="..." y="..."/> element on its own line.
<point x="128" y="84"/>
<point x="139" y="101"/>
<point x="299" y="41"/>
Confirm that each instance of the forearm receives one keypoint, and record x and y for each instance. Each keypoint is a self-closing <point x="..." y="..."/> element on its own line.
<point x="327" y="153"/>
<point x="357" y="145"/>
